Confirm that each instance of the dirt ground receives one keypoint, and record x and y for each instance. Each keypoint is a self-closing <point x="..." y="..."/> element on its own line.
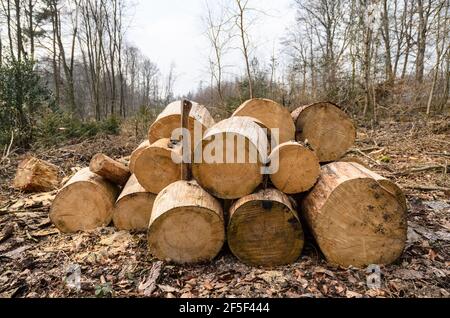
<point x="37" y="261"/>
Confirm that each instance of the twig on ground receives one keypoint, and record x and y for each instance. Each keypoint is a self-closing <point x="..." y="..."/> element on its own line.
<point x="421" y="169"/>
<point x="427" y="188"/>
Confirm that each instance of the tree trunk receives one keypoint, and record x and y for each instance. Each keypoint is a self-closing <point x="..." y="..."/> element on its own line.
<point x="298" y="168"/>
<point x="357" y="217"/>
<point x="230" y="168"/>
<point x="186" y="224"/>
<point x="133" y="207"/>
<point x="264" y="229"/>
<point x="85" y="203"/>
<point x="34" y="175"/>
<point x="110" y="169"/>
<point x="270" y="114"/>
<point x="158" y="165"/>
<point x="169" y="120"/>
<point x="136" y="153"/>
<point x="326" y="128"/>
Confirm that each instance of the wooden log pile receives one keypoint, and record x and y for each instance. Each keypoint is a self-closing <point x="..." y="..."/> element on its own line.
<point x="194" y="194"/>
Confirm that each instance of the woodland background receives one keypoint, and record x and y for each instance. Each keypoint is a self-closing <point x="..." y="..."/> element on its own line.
<point x="67" y="69"/>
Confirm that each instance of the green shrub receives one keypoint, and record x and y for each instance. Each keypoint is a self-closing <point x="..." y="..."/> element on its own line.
<point x="22" y="96"/>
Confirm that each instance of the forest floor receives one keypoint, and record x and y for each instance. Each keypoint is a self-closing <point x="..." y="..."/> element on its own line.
<point x="35" y="259"/>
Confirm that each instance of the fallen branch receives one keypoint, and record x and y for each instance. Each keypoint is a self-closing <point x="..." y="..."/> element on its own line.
<point x="422" y="169"/>
<point x="373" y="160"/>
<point x="427" y="188"/>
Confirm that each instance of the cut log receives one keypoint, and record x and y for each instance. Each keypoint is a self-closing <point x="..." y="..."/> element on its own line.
<point x="232" y="168"/>
<point x="136" y="153"/>
<point x="271" y="115"/>
<point x="186" y="225"/>
<point x="155" y="168"/>
<point x="325" y="127"/>
<point x="264" y="229"/>
<point x="110" y="169"/>
<point x="34" y="175"/>
<point x="170" y="118"/>
<point x="133" y="207"/>
<point x="84" y="203"/>
<point x="298" y="168"/>
<point x="357" y="217"/>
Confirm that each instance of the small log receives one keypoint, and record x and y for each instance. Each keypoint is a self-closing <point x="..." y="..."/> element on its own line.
<point x="186" y="224"/>
<point x="170" y="118"/>
<point x="133" y="207"/>
<point x="328" y="129"/>
<point x="136" y="153"/>
<point x="357" y="217"/>
<point x="271" y="115"/>
<point x="264" y="229"/>
<point x="233" y="173"/>
<point x="155" y="168"/>
<point x="110" y="169"/>
<point x="86" y="202"/>
<point x="298" y="169"/>
<point x="35" y="175"/>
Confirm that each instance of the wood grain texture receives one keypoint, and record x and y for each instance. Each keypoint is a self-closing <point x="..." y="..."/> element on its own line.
<point x="357" y="217"/>
<point x="133" y="207"/>
<point x="84" y="203"/>
<point x="325" y="127"/>
<point x="186" y="224"/>
<point x="155" y="168"/>
<point x="271" y="115"/>
<point x="170" y="118"/>
<point x="228" y="177"/>
<point x="136" y="153"/>
<point x="299" y="168"/>
<point x="35" y="175"/>
<point x="264" y="229"/>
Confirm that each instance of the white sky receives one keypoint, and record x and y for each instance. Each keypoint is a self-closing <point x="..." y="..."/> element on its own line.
<point x="172" y="31"/>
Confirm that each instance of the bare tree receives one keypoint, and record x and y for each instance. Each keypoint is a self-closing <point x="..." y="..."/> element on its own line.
<point x="240" y="16"/>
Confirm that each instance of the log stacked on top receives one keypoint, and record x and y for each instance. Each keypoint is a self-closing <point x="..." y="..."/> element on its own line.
<point x="356" y="216"/>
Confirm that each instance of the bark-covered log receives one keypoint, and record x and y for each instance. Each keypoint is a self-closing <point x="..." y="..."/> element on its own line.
<point x="357" y="217"/>
<point x="325" y="127"/>
<point x="110" y="169"/>
<point x="84" y="203"/>
<point x="133" y="207"/>
<point x="264" y="229"/>
<point x="186" y="224"/>
<point x="35" y="175"/>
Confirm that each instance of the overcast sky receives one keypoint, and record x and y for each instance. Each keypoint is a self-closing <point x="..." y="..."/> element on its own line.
<point x="172" y="31"/>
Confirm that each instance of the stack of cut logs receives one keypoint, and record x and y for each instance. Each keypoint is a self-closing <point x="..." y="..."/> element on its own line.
<point x="356" y="216"/>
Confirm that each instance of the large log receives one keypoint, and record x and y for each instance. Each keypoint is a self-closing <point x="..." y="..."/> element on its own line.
<point x="186" y="224"/>
<point x="110" y="169"/>
<point x="136" y="153"/>
<point x="84" y="203"/>
<point x="328" y="130"/>
<point x="271" y="115"/>
<point x="133" y="207"/>
<point x="298" y="168"/>
<point x="231" y="171"/>
<point x="357" y="217"/>
<point x="264" y="229"/>
<point x="155" y="168"/>
<point x="170" y="118"/>
<point x="35" y="175"/>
